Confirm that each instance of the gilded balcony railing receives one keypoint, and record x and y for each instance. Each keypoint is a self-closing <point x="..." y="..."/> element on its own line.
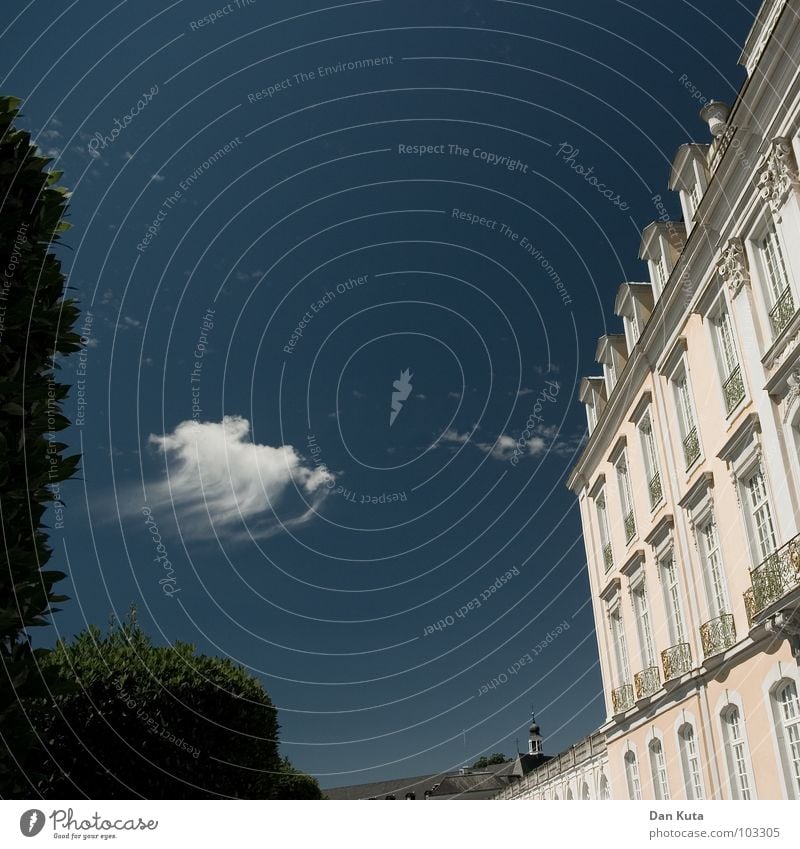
<point x="676" y="660"/>
<point x="608" y="556"/>
<point x="630" y="526"/>
<point x="718" y="635"/>
<point x="781" y="314"/>
<point x="733" y="390"/>
<point x="776" y="576"/>
<point x="691" y="447"/>
<point x="656" y="491"/>
<point x="647" y="682"/>
<point x="622" y="698"/>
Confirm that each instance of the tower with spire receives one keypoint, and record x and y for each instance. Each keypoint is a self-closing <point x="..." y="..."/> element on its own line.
<point x="535" y="740"/>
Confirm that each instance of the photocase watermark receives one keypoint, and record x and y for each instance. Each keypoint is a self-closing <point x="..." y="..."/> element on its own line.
<point x="171" y="200"/>
<point x="693" y="89"/>
<point x="318" y="305"/>
<point x="488" y="157"/>
<point x="548" y="394"/>
<point x="100" y="141"/>
<point x="213" y="17"/>
<point x="402" y="389"/>
<point x="168" y="582"/>
<point x="80" y="372"/>
<point x="569" y="155"/>
<point x="475" y="604"/>
<point x="153" y="726"/>
<point x="200" y="348"/>
<point x="525" y="660"/>
<point x="353" y="496"/>
<point x="318" y="73"/>
<point x="9" y="272"/>
<point x="33" y="821"/>
<point x="475" y="219"/>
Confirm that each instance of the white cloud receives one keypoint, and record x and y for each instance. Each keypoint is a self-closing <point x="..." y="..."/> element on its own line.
<point x="543" y="440"/>
<point x="218" y="477"/>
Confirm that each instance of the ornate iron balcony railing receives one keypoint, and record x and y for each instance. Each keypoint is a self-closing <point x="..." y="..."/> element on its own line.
<point x="783" y="310"/>
<point x="622" y="698"/>
<point x="691" y="447"/>
<point x="608" y="556"/>
<point x="676" y="660"/>
<point x="778" y="575"/>
<point x="733" y="390"/>
<point x="718" y="635"/>
<point x="656" y="491"/>
<point x="630" y="526"/>
<point x="647" y="682"/>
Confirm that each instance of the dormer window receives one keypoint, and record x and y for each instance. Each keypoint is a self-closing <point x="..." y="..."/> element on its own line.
<point x="593" y="394"/>
<point x="689" y="178"/>
<point x="634" y="306"/>
<point x="662" y="243"/>
<point x="612" y="354"/>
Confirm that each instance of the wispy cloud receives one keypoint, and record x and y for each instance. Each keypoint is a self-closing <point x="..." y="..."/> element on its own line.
<point x="219" y="478"/>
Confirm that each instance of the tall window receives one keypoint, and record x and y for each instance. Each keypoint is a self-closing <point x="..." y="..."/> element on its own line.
<point x="789" y="731"/>
<point x="672" y="599"/>
<point x="585" y="791"/>
<point x="620" y="648"/>
<point x="658" y="766"/>
<point x="728" y="358"/>
<point x="737" y="756"/>
<point x="686" y="420"/>
<point x="632" y="776"/>
<point x="713" y="571"/>
<point x="605" y="790"/>
<point x="626" y="500"/>
<point x="643" y="624"/>
<point x="690" y="760"/>
<point x="662" y="272"/>
<point x="602" y="523"/>
<point x="760" y="514"/>
<point x="651" y="461"/>
<point x="779" y="296"/>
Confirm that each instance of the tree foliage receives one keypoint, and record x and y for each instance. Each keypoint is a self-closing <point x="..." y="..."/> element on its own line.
<point x="492" y="760"/>
<point x="36" y="326"/>
<point x="159" y="723"/>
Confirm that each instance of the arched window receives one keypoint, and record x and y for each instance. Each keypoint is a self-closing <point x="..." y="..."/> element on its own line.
<point x="605" y="790"/>
<point x="737" y="755"/>
<point x="570" y="797"/>
<point x="658" y="767"/>
<point x="555" y="796"/>
<point x="632" y="776"/>
<point x="690" y="761"/>
<point x="585" y="791"/>
<point x="788" y="729"/>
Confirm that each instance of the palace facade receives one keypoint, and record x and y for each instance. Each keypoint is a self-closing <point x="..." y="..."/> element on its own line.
<point x="689" y="484"/>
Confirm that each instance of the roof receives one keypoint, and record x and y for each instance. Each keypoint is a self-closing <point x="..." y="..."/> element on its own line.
<point x="381" y="789"/>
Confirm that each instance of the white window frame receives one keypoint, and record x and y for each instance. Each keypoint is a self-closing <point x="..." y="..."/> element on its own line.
<point x="644" y="623"/>
<point x="658" y="769"/>
<point x="623" y="471"/>
<point x="633" y="778"/>
<point x="673" y="597"/>
<point x="736" y="750"/>
<point x="787" y="733"/>
<point x="685" y="410"/>
<point x="619" y="641"/>
<point x="759" y="514"/>
<point x="690" y="762"/>
<point x="604" y="530"/>
<point x="713" y="567"/>
<point x="726" y="349"/>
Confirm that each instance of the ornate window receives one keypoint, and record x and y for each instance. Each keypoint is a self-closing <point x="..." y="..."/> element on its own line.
<point x="644" y="625"/>
<point x="716" y="589"/>
<point x="632" y="776"/>
<point x="626" y="500"/>
<point x="760" y="514"/>
<point x="602" y="524"/>
<point x="672" y="599"/>
<point x="738" y="758"/>
<point x="690" y="761"/>
<point x="686" y="419"/>
<point x="730" y="370"/>
<point x="777" y="288"/>
<point x="651" y="465"/>
<point x="620" y="647"/>
<point x="658" y="767"/>
<point x="605" y="789"/>
<point x="787" y="707"/>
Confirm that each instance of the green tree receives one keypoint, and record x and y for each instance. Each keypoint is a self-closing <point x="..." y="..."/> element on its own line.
<point x="493" y="759"/>
<point x="36" y="327"/>
<point x="159" y="723"/>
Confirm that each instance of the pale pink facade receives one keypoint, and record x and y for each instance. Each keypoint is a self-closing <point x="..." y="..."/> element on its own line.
<point x="689" y="485"/>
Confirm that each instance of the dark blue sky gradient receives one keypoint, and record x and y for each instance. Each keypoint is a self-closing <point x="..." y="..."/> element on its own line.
<point x="332" y="613"/>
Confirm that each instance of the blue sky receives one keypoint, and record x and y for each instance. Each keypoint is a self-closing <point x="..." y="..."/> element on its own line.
<point x="275" y="214"/>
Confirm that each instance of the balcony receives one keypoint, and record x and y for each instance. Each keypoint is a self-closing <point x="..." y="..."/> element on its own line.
<point x="622" y="698"/>
<point x="608" y="556"/>
<point x="647" y="682"/>
<point x="733" y="390"/>
<point x="676" y="660"/>
<point x="691" y="447"/>
<point x="718" y="635"/>
<point x="656" y="491"/>
<point x="777" y="576"/>
<point x="781" y="314"/>
<point x="630" y="526"/>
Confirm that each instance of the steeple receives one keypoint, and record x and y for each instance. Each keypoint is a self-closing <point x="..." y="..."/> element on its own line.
<point x="535" y="741"/>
